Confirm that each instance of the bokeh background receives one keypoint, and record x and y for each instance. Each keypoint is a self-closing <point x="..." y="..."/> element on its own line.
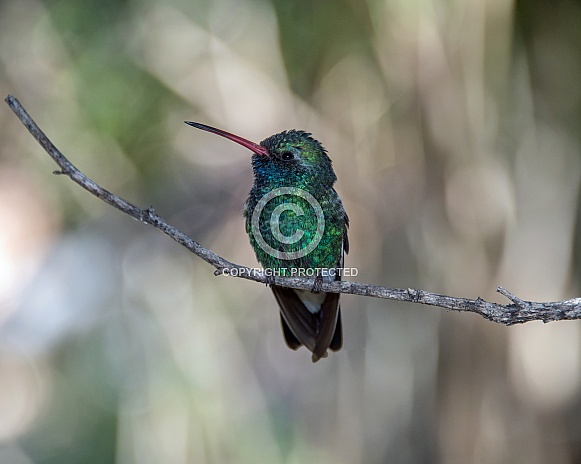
<point x="454" y="127"/>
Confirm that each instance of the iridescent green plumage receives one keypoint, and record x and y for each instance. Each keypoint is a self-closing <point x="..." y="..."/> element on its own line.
<point x="309" y="170"/>
<point x="297" y="227"/>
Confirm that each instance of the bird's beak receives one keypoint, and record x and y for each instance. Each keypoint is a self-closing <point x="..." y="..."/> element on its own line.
<point x="254" y="147"/>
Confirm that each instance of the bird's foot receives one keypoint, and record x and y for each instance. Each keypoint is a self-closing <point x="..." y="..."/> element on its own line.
<point x="318" y="285"/>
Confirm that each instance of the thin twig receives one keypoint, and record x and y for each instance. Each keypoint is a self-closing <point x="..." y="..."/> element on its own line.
<point x="519" y="311"/>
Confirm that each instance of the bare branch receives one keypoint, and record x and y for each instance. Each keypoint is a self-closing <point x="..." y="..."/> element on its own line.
<point x="518" y="312"/>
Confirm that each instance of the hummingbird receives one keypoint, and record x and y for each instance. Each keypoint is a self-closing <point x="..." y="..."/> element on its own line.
<point x="297" y="227"/>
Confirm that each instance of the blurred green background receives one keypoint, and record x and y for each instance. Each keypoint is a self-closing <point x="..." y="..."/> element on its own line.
<point x="454" y="127"/>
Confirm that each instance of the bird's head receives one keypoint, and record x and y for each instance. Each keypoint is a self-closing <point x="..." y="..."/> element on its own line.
<point x="291" y="152"/>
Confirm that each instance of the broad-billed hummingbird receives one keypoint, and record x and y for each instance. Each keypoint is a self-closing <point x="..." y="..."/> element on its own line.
<point x="297" y="227"/>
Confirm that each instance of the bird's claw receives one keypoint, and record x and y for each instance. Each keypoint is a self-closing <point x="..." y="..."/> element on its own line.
<point x="318" y="285"/>
<point x="269" y="281"/>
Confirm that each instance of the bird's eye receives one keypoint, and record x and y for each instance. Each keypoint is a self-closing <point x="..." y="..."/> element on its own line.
<point x="287" y="156"/>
